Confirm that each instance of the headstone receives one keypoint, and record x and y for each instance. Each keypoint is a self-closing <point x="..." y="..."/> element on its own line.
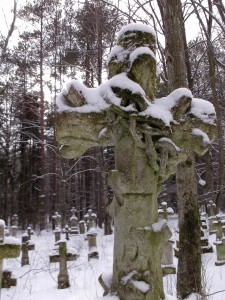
<point x="123" y="112"/>
<point x="223" y="230"/>
<point x="211" y="209"/>
<point x="74" y="222"/>
<point x="217" y="227"/>
<point x="92" y="243"/>
<point x="212" y="219"/>
<point x="14" y="226"/>
<point x="82" y="227"/>
<point x="203" y="222"/>
<point x="15" y="220"/>
<point x="220" y="252"/>
<point x="206" y="247"/>
<point x="9" y="247"/>
<point x="6" y="231"/>
<point x="57" y="233"/>
<point x="168" y="266"/>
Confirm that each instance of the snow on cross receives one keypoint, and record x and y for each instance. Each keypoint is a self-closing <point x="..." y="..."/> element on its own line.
<point x="154" y="134"/>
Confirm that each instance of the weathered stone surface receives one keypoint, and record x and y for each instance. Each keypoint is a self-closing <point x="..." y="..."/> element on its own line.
<point x="147" y="149"/>
<point x="78" y="132"/>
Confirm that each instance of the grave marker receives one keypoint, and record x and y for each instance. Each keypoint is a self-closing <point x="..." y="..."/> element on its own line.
<point x="211" y="209"/>
<point x="57" y="220"/>
<point x="90" y="218"/>
<point x="148" y="146"/>
<point x="92" y="243"/>
<point x="74" y="222"/>
<point x="9" y="247"/>
<point x="26" y="247"/>
<point x="61" y="255"/>
<point x="220" y="252"/>
<point x="82" y="227"/>
<point x="168" y="266"/>
<point x="57" y="233"/>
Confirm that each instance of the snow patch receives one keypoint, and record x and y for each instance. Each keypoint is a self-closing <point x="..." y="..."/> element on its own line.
<point x="204" y="110"/>
<point x="126" y="278"/>
<point x="10" y="240"/>
<point x="141" y="286"/>
<point x="204" y="136"/>
<point x="107" y="279"/>
<point x="139" y="51"/>
<point x="202" y="182"/>
<point x="158" y="226"/>
<point x="136" y="27"/>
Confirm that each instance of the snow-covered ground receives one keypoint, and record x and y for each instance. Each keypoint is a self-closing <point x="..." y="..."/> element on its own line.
<point x="38" y="281"/>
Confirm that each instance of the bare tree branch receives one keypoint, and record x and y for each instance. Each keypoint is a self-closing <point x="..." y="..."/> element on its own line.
<point x="11" y="29"/>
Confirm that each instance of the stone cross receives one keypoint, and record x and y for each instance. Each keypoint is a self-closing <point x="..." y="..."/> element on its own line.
<point x="164" y="211"/>
<point x="54" y="256"/>
<point x="57" y="219"/>
<point x="66" y="230"/>
<point x="90" y="218"/>
<point x="74" y="222"/>
<point x="149" y="136"/>
<point x="8" y="280"/>
<point x="9" y="247"/>
<point x="62" y="256"/>
<point x="63" y="277"/>
<point x="26" y="247"/>
<point x="73" y="211"/>
<point x="29" y="232"/>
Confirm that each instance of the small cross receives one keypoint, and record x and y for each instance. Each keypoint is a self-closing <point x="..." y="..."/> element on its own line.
<point x="73" y="211"/>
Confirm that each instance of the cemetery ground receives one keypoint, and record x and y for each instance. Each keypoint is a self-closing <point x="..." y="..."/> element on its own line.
<point x="38" y="280"/>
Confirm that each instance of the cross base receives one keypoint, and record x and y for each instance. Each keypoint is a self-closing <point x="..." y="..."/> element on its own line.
<point x="207" y="249"/>
<point x="220" y="262"/>
<point x="93" y="253"/>
<point x="63" y="281"/>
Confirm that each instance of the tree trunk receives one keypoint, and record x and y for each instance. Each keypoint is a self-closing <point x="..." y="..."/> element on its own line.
<point x="189" y="262"/>
<point x="188" y="208"/>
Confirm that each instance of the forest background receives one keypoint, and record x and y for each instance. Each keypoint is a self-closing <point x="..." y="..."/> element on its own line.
<point x="44" y="44"/>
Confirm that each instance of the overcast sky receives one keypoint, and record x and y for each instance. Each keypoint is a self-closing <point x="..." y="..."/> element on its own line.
<point x="6" y="19"/>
